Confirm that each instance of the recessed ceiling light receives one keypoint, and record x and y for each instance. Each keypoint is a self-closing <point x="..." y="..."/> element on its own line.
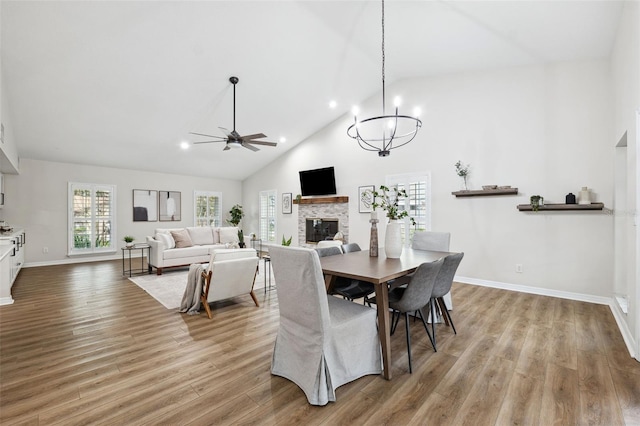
<point x="283" y="140"/>
<point x="333" y="104"/>
<point x="184" y="145"/>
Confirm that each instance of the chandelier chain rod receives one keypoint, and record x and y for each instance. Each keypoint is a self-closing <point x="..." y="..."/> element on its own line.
<point x="383" y="60"/>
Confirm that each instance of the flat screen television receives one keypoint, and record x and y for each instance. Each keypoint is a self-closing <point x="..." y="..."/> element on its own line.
<point x="318" y="181"/>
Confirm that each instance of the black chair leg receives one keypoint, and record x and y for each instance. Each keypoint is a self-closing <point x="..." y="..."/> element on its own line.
<point x="426" y="328"/>
<point x="395" y="318"/>
<point x="433" y="321"/>
<point x="446" y="312"/>
<point x="406" y="326"/>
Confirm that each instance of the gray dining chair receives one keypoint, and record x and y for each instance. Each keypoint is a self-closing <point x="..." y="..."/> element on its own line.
<point x="353" y="289"/>
<point x="323" y="342"/>
<point x="442" y="286"/>
<point x="433" y="241"/>
<point x="417" y="293"/>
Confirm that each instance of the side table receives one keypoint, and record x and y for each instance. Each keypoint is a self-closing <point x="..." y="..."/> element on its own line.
<point x="131" y="271"/>
<point x="267" y="261"/>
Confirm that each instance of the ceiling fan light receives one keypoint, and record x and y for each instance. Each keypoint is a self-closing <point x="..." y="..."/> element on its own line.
<point x="234" y="144"/>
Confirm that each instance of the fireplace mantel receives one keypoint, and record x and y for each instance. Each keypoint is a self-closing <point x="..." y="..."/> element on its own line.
<point x="323" y="200"/>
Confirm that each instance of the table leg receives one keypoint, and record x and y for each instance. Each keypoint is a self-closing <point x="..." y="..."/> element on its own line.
<point x="384" y="327"/>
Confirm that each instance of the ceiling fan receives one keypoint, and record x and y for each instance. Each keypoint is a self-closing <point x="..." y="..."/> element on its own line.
<point x="234" y="139"/>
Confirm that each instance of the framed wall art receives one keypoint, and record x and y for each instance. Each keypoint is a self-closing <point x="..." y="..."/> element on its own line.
<point x="145" y="205"/>
<point x="169" y="206"/>
<point x="287" y="203"/>
<point x="365" y="199"/>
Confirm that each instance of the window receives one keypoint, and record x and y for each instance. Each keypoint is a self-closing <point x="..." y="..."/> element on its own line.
<point x="418" y="187"/>
<point x="207" y="208"/>
<point x="92" y="222"/>
<point x="268" y="216"/>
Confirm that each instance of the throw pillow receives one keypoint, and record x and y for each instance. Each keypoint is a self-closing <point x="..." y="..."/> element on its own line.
<point x="229" y="234"/>
<point x="200" y="235"/>
<point x="182" y="238"/>
<point x="166" y="239"/>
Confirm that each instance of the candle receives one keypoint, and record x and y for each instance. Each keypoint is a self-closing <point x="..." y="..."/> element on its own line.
<point x="374" y="215"/>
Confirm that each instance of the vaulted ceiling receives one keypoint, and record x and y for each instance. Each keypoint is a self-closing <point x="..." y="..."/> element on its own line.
<point x="122" y="83"/>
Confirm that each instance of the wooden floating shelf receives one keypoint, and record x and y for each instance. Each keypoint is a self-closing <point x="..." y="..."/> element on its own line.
<point x="322" y="200"/>
<point x="548" y="207"/>
<point x="483" y="192"/>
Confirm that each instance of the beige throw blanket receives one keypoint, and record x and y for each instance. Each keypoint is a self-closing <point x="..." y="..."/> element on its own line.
<point x="191" y="298"/>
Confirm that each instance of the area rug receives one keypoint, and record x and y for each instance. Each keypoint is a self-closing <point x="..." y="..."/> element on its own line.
<point x="167" y="288"/>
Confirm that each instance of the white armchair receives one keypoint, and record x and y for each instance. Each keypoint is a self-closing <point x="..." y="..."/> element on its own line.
<point x="230" y="273"/>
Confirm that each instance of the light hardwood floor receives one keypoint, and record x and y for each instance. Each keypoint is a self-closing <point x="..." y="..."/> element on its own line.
<point x="83" y="345"/>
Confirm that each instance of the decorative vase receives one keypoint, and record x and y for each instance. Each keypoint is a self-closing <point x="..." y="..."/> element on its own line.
<point x="129" y="245"/>
<point x="393" y="240"/>
<point x="570" y="198"/>
<point x="584" y="196"/>
<point x="464" y="187"/>
<point x="373" y="241"/>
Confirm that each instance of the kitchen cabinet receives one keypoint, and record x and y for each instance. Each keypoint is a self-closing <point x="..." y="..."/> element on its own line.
<point x="12" y="248"/>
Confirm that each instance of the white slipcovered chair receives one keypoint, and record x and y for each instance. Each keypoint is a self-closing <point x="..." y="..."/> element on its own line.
<point x="323" y="341"/>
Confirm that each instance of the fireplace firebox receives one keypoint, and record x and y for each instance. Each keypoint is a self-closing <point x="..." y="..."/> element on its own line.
<point x="320" y="229"/>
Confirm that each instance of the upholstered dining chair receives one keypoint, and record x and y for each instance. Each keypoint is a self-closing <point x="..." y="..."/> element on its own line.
<point x="323" y="342"/>
<point x="353" y="289"/>
<point x="412" y="298"/>
<point x="441" y="287"/>
<point x="434" y="241"/>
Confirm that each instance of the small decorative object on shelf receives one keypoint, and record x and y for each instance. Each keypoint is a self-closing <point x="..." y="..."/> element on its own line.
<point x="463" y="172"/>
<point x="584" y="196"/>
<point x="241" y="238"/>
<point x="536" y="202"/>
<point x="570" y="198"/>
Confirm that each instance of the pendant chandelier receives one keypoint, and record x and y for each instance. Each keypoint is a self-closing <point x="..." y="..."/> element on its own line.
<point x="384" y="132"/>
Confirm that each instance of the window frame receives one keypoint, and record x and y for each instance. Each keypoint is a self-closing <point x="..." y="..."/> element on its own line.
<point x="111" y="218"/>
<point x="264" y="233"/>
<point x="217" y="219"/>
<point x="405" y="180"/>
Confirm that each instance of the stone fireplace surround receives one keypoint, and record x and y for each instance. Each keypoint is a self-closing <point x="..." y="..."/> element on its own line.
<point x="322" y="208"/>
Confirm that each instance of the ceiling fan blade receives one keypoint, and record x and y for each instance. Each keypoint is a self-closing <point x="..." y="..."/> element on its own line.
<point x="256" y="136"/>
<point x="196" y="143"/>
<point x="226" y="132"/>
<point x="209" y="136"/>
<point x="252" y="148"/>
<point x="226" y="148"/>
<point x="262" y="143"/>
<point x="236" y="135"/>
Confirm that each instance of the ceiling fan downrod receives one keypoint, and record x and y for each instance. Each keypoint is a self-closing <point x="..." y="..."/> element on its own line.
<point x="234" y="81"/>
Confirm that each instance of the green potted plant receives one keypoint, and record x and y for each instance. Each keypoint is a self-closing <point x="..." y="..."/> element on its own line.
<point x="389" y="201"/>
<point x="128" y="239"/>
<point x="241" y="238"/>
<point x="286" y="242"/>
<point x="536" y="202"/>
<point x="236" y="214"/>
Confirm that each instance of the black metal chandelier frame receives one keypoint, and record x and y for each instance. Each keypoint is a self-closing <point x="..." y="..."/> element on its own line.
<point x="393" y="140"/>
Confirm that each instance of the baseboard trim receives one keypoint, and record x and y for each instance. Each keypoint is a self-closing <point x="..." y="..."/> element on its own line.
<point x="6" y="301"/>
<point x="75" y="259"/>
<point x="600" y="300"/>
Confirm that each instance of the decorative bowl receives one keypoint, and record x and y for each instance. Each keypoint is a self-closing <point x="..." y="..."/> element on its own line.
<point x="505" y="187"/>
<point x="486" y="187"/>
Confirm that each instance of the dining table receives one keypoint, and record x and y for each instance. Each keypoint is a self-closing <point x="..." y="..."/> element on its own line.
<point x="379" y="270"/>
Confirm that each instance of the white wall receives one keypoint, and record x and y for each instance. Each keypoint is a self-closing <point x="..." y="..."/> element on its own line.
<point x="545" y="130"/>
<point x="37" y="200"/>
<point x="626" y="71"/>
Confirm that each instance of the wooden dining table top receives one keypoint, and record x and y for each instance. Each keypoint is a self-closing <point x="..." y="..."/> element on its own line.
<point x="379" y="269"/>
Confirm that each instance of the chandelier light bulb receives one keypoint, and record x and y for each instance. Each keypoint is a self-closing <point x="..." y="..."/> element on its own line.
<point x="355" y="110"/>
<point x="397" y="101"/>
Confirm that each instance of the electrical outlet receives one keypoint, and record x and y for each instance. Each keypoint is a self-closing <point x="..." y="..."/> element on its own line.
<point x="519" y="268"/>
<point x="45" y="250"/>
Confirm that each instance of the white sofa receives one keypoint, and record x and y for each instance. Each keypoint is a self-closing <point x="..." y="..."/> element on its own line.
<point x="171" y="247"/>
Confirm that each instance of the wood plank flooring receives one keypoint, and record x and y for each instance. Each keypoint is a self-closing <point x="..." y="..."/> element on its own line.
<point x="84" y="345"/>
